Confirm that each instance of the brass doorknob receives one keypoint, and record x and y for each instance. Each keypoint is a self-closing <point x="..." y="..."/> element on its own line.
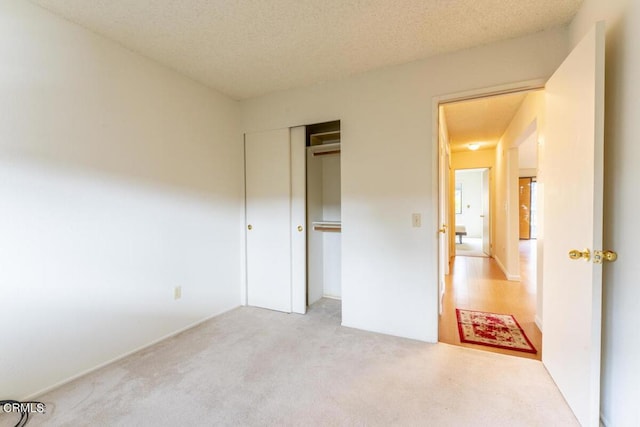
<point x="576" y="254"/>
<point x="300" y="228"/>
<point x="443" y="229"/>
<point x="600" y="256"/>
<point x="249" y="227"/>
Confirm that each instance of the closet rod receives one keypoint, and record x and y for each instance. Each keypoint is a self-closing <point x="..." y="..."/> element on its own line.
<point x="321" y="228"/>
<point x="324" y="153"/>
<point x="327" y="226"/>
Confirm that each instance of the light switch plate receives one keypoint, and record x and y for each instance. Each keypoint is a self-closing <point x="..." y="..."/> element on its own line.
<point x="416" y="220"/>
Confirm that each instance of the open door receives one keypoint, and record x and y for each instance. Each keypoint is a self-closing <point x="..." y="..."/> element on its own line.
<point x="572" y="167"/>
<point x="486" y="200"/>
<point x="443" y="212"/>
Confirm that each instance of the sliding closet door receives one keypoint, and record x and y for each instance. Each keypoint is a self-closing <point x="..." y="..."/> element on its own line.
<point x="268" y="219"/>
<point x="298" y="220"/>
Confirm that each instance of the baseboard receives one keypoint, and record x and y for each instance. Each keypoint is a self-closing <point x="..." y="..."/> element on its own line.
<point x="504" y="270"/>
<point x="441" y="297"/>
<point x="538" y="322"/>
<point x="39" y="393"/>
<point x="332" y="297"/>
<point x="510" y="277"/>
<point x="603" y="420"/>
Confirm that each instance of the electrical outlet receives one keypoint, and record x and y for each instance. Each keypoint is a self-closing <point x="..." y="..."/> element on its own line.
<point x="416" y="220"/>
<point x="177" y="292"/>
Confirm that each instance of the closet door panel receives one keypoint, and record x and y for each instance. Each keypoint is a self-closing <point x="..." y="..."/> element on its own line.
<point x="268" y="219"/>
<point x="298" y="218"/>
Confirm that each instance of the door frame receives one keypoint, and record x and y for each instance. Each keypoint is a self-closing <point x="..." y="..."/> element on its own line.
<point x="436" y="101"/>
<point x="487" y="212"/>
<point x="490" y="171"/>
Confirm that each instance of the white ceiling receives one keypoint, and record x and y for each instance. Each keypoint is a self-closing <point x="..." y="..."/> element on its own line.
<point x="484" y="121"/>
<point x="246" y="48"/>
<point x="481" y="121"/>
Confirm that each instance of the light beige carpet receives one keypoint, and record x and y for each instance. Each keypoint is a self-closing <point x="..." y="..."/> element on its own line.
<point x="253" y="367"/>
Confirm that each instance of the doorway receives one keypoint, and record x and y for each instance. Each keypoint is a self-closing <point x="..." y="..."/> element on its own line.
<point x="527" y="194"/>
<point x="490" y="270"/>
<point x="323" y="210"/>
<point x="472" y="212"/>
<point x="570" y="185"/>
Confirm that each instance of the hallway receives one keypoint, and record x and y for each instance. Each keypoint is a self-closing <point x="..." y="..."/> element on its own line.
<point x="477" y="283"/>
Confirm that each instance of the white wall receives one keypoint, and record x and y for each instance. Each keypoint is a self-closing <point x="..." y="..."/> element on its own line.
<point x="527" y="173"/>
<point x="503" y="243"/>
<point x="119" y="179"/>
<point x="527" y="123"/>
<point x="470" y="181"/>
<point x="621" y="340"/>
<point x="389" y="169"/>
<point x="528" y="156"/>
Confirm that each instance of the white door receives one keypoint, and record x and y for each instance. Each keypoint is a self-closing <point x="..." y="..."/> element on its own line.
<point x="486" y="229"/>
<point x="572" y="172"/>
<point x="299" y="220"/>
<point x="268" y="219"/>
<point x="443" y="214"/>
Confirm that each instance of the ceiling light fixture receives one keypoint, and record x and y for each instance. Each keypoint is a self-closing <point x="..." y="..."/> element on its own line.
<point x="473" y="147"/>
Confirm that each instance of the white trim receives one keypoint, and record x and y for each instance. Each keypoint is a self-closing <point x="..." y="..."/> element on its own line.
<point x="244" y="283"/>
<point x="538" y="322"/>
<point x="434" y="225"/>
<point x="122" y="356"/>
<point x="510" y="277"/>
<point x="505" y="89"/>
<point x="504" y="270"/>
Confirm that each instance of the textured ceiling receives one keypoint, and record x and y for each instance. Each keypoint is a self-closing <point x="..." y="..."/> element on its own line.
<point x="246" y="48"/>
<point x="481" y="121"/>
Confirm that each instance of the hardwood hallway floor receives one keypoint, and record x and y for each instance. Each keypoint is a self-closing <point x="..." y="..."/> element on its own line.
<point x="477" y="283"/>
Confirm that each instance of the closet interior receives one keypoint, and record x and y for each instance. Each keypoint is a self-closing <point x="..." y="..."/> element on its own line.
<point x="323" y="211"/>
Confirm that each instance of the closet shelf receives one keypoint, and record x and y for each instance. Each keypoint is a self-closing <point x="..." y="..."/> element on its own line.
<point x="325" y="149"/>
<point x="334" y="226"/>
<point x="321" y="138"/>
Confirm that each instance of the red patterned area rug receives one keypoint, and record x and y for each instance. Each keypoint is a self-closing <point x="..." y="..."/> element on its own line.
<point x="493" y="330"/>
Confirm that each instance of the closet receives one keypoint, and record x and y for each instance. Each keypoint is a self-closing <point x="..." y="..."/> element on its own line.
<point x="292" y="179"/>
<point x="323" y="212"/>
<point x="270" y="211"/>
